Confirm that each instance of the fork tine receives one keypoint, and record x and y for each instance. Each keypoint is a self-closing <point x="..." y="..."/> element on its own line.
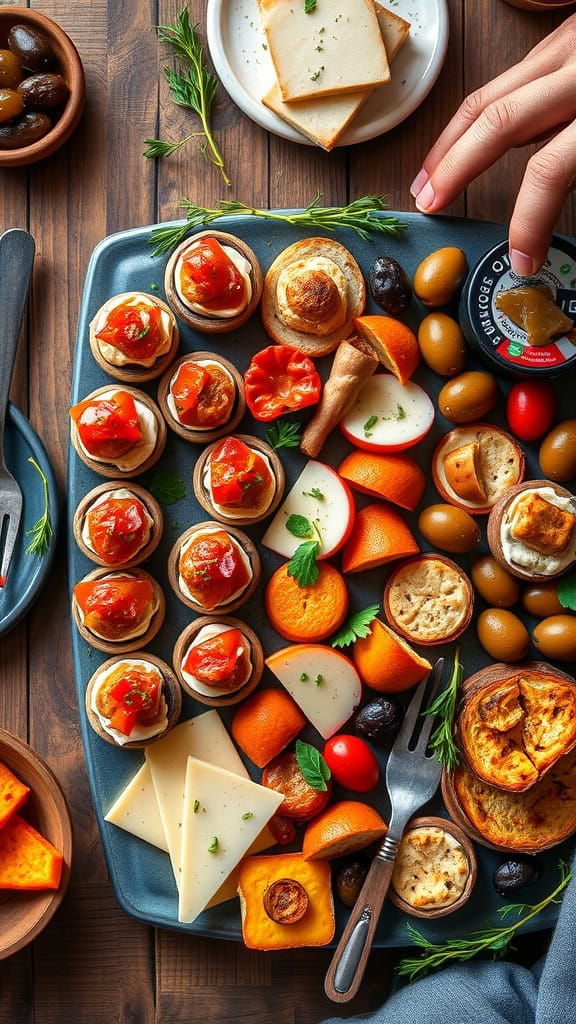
<point x="9" y="542"/>
<point x="411" y="716"/>
<point x="431" y="719"/>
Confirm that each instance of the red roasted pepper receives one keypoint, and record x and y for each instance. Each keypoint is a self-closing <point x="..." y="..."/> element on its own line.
<point x="280" y="379"/>
<point x="134" y="329"/>
<point x="137" y="697"/>
<point x="114" y="607"/>
<point x="215" y="661"/>
<point x="239" y="476"/>
<point x="108" y="427"/>
<point x="209" y="278"/>
<point x="117" y="528"/>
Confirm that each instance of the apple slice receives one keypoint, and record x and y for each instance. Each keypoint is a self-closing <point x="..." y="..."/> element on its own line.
<point x="323" y="498"/>
<point x="388" y="416"/>
<point x="323" y="682"/>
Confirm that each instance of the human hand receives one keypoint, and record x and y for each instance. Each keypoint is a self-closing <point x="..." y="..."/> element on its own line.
<point x="532" y="100"/>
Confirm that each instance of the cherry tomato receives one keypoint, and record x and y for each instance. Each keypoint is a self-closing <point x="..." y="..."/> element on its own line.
<point x="352" y="763"/>
<point x="531" y="408"/>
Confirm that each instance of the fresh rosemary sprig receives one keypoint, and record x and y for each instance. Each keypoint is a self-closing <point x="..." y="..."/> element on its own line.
<point x="361" y="216"/>
<point x="42" y="531"/>
<point x="442" y="739"/>
<point x="495" y="939"/>
<point x="194" y="89"/>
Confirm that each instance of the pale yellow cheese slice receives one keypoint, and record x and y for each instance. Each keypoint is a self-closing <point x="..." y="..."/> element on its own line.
<point x="136" y="810"/>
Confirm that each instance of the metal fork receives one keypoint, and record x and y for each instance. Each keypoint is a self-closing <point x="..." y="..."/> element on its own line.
<point x="412" y="777"/>
<point x="16" y="259"/>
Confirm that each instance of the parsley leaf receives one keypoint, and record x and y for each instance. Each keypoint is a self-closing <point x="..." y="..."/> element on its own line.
<point x="298" y="526"/>
<point x="283" y="434"/>
<point x="567" y="592"/>
<point x="167" y="488"/>
<point x="314" y="493"/>
<point x="357" y="626"/>
<point x="312" y="765"/>
<point x="309" y="6"/>
<point x="303" y="566"/>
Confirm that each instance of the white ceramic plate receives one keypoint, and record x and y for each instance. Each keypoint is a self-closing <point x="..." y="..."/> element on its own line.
<point x="238" y="49"/>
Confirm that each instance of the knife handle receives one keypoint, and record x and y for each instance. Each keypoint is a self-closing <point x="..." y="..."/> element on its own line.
<point x="16" y="259"/>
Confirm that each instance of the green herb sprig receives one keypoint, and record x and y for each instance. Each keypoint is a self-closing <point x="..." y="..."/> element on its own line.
<point x="442" y="739"/>
<point x="495" y="939"/>
<point x="361" y="216"/>
<point x="194" y="89"/>
<point x="312" y="765"/>
<point x="42" y="531"/>
<point x="357" y="626"/>
<point x="303" y="566"/>
<point x="283" y="434"/>
<point x="167" y="488"/>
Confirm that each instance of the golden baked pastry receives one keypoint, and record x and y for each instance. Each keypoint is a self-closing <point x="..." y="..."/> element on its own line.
<point x="464" y="472"/>
<point x="428" y="600"/>
<point x="474" y="464"/>
<point x="541" y="525"/>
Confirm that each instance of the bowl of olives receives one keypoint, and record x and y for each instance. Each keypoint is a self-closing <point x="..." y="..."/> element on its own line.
<point x="42" y="87"/>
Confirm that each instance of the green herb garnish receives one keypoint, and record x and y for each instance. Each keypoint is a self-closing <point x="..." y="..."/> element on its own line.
<point x="566" y="591"/>
<point x="314" y="493"/>
<point x="312" y="765"/>
<point x="299" y="526"/>
<point x="304" y="677"/>
<point x="283" y="434"/>
<point x="196" y="807"/>
<point x="167" y="488"/>
<point x="194" y="89"/>
<point x="357" y="626"/>
<point x="361" y="216"/>
<point x="491" y="939"/>
<point x="303" y="566"/>
<point x="213" y="845"/>
<point x="370" y="422"/>
<point x="442" y="739"/>
<point x="319" y="680"/>
<point x="42" y="531"/>
<point x="247" y="815"/>
<point x="309" y="6"/>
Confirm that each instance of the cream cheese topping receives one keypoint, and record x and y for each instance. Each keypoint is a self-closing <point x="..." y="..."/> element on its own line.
<point x="114" y="355"/>
<point x="235" y="544"/>
<point x="241" y="513"/>
<point x="519" y="554"/>
<point x="297" y="320"/>
<point x="139" y="732"/>
<point x="120" y="492"/>
<point x="242" y="266"/>
<point x="140" y="452"/>
<point x="207" y="633"/>
<point x="170" y="397"/>
<point x="431" y="868"/>
<point x="142" y="626"/>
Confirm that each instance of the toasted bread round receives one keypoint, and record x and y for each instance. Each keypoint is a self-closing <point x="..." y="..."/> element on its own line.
<point x="474" y="464"/>
<point x="428" y="600"/>
<point x="547" y="536"/>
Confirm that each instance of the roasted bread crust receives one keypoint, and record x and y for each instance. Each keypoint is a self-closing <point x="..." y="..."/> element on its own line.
<point x="541" y="525"/>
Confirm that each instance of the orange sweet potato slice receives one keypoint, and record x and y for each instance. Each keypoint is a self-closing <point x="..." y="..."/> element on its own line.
<point x="27" y="859"/>
<point x="13" y="793"/>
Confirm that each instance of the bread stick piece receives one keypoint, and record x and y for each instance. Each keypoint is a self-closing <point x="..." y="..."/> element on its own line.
<point x="351" y="366"/>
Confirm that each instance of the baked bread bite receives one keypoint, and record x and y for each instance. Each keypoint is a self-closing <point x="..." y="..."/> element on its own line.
<point x="541" y="524"/>
<point x="532" y="530"/>
<point x="428" y="600"/>
<point x="474" y="464"/>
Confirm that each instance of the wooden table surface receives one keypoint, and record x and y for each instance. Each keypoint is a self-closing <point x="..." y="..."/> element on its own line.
<point x="93" y="964"/>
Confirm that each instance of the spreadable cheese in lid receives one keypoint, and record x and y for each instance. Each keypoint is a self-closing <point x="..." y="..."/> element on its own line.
<point x="503" y="342"/>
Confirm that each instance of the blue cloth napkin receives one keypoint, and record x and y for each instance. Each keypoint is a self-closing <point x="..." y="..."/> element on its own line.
<point x="493" y="992"/>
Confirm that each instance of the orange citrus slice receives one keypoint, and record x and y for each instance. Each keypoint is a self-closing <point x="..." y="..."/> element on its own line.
<point x="266" y="723"/>
<point x="380" y="535"/>
<point x="307" y="613"/>
<point x="342" y="828"/>
<point x="386" y="662"/>
<point x="396" y="478"/>
<point x="392" y="342"/>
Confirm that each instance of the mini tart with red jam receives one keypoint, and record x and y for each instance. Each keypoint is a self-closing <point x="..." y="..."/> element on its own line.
<point x="133" y="700"/>
<point x="118" y="525"/>
<point x="218" y="661"/>
<point x="134" y="336"/>
<point x="239" y="479"/>
<point x="119" y="610"/>
<point x="214" y="569"/>
<point x="213" y="282"/>
<point x="201" y="396"/>
<point x="118" y="431"/>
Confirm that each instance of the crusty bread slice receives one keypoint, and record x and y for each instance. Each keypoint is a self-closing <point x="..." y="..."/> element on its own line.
<point x="462" y="470"/>
<point x="550" y="719"/>
<point x="325" y="119"/>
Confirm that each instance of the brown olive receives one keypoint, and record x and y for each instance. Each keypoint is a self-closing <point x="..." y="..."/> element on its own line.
<point x="11" y="104"/>
<point x="349" y="882"/>
<point x="502" y="634"/>
<point x="31" y="47"/>
<point x="555" y="637"/>
<point x="541" y="600"/>
<point x="10" y="70"/>
<point x="24" y="130"/>
<point x="495" y="586"/>
<point x="389" y="285"/>
<point x="43" y="92"/>
<point x="468" y="397"/>
<point x="449" y="528"/>
<point x="442" y="344"/>
<point x="440" y="276"/>
<point x="558" y="452"/>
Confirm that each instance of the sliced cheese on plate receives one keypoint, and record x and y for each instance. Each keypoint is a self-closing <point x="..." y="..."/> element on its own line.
<point x="322" y="681"/>
<point x="136" y="810"/>
<point x="322" y="497"/>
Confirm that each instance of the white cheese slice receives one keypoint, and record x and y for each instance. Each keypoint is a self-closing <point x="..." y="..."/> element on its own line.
<point x="323" y="682"/>
<point x="136" y="810"/>
<point x="321" y="496"/>
<point x="223" y="815"/>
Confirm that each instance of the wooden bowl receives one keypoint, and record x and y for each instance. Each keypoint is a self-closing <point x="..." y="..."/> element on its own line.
<point x="188" y="433"/>
<point x="25" y="914"/>
<point x="69" y="66"/>
<point x="439" y="638"/>
<point x="455" y="439"/>
<point x="256" y="656"/>
<point x="111" y="469"/>
<point x="247" y="546"/>
<point x="200" y="322"/>
<point x="204" y="498"/>
<point x="135" y="372"/>
<point x="172" y="694"/>
<point x="121" y="646"/>
<point x="454" y="830"/>
<point x="151" y="505"/>
<point x="498" y="512"/>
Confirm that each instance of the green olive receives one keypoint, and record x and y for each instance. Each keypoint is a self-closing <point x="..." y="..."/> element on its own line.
<point x="10" y="70"/>
<point x="502" y="635"/>
<point x="442" y="344"/>
<point x="468" y="397"/>
<point x="541" y="600"/>
<point x="495" y="586"/>
<point x="11" y="105"/>
<point x="555" y="637"/>
<point x="440" y="276"/>
<point x="558" y="452"/>
<point x="449" y="528"/>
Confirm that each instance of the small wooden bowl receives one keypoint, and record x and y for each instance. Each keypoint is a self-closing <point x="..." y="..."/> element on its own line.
<point x="203" y="496"/>
<point x="202" y="436"/>
<point x="152" y="507"/>
<point x="172" y="695"/>
<point x="25" y="914"/>
<point x="454" y="439"/>
<point x="121" y="646"/>
<point x="135" y="372"/>
<point x="247" y="546"/>
<point x="256" y="656"/>
<point x="111" y="469"/>
<point x="440" y="639"/>
<point x="431" y="912"/>
<point x="495" y="522"/>
<point x="200" y="322"/>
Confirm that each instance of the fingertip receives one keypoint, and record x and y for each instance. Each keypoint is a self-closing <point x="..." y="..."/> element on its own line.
<point x="425" y="198"/>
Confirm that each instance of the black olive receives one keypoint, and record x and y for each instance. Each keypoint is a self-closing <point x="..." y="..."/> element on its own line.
<point x="389" y="285"/>
<point x="349" y="881"/>
<point x="379" y="720"/>
<point x="31" y="47"/>
<point x="42" y="92"/>
<point x="24" y="130"/>
<point x="513" y="875"/>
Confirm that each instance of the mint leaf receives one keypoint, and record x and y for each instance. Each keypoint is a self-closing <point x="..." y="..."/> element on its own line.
<point x="298" y="526"/>
<point x="567" y="592"/>
<point x="303" y="566"/>
<point x="312" y="765"/>
<point x="167" y="488"/>
<point x="357" y="626"/>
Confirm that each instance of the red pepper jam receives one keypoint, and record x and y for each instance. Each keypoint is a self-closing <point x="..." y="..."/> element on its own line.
<point x="135" y="329"/>
<point x="108" y="427"/>
<point x="221" y="661"/>
<point x="210" y="279"/>
<point x="117" y="528"/>
<point x="204" y="395"/>
<point x="213" y="569"/>
<point x="130" y="696"/>
<point x="239" y="476"/>
<point x="114" y="608"/>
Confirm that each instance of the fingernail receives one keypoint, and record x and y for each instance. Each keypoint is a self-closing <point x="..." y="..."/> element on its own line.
<point x="521" y="263"/>
<point x="425" y="197"/>
<point x="419" y="182"/>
